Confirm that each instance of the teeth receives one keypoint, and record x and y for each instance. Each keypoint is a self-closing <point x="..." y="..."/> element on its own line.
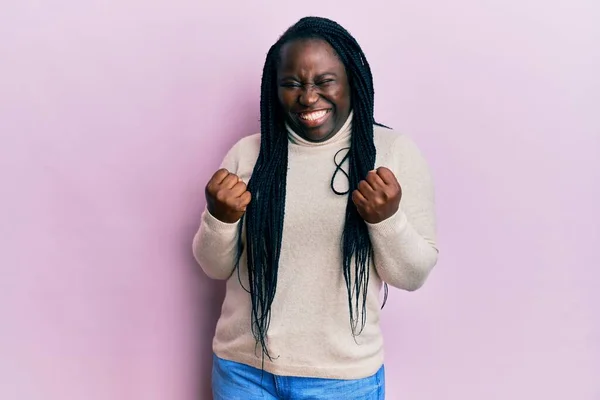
<point x="314" y="115"/>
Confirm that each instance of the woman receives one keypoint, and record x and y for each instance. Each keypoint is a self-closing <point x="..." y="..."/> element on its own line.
<point x="307" y="221"/>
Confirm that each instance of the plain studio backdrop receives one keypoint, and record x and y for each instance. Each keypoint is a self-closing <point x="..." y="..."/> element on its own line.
<point x="114" y="114"/>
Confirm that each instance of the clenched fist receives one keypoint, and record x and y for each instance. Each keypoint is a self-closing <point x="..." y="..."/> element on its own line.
<point x="226" y="196"/>
<point x="378" y="196"/>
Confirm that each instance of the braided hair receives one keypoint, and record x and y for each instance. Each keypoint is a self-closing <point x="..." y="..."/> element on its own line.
<point x="264" y="216"/>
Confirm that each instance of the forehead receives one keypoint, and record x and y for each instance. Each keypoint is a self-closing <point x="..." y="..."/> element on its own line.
<point x="309" y="55"/>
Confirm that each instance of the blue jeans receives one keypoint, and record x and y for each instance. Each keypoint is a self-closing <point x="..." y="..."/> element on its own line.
<point x="234" y="381"/>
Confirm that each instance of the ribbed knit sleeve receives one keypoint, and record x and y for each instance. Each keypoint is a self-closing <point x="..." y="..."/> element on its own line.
<point x="215" y="244"/>
<point x="405" y="249"/>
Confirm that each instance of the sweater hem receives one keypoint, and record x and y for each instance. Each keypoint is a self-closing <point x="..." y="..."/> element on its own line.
<point x="364" y="370"/>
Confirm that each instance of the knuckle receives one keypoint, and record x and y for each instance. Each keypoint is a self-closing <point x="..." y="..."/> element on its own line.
<point x="222" y="196"/>
<point x="212" y="190"/>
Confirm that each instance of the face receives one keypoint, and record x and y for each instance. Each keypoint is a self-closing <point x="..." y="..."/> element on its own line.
<point x="313" y="89"/>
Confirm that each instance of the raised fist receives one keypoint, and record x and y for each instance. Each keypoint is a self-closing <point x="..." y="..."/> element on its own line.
<point x="378" y="196"/>
<point x="226" y="196"/>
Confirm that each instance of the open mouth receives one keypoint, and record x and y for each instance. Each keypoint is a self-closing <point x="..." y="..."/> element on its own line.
<point x="313" y="118"/>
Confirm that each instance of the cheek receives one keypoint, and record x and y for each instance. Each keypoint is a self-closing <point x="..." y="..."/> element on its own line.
<point x="347" y="94"/>
<point x="342" y="98"/>
<point x="340" y="94"/>
<point x="285" y="99"/>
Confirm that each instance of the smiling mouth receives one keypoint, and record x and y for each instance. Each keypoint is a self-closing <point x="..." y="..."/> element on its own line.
<point x="313" y="116"/>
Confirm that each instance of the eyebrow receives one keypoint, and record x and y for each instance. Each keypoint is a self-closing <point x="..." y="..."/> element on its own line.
<point x="320" y="76"/>
<point x="327" y="74"/>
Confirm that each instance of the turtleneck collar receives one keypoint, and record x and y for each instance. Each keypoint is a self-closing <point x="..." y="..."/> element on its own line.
<point x="342" y="134"/>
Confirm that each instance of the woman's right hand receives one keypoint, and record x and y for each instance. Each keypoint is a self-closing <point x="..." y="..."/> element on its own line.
<point x="226" y="196"/>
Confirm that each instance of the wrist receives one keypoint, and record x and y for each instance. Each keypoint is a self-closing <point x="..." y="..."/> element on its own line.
<point x="393" y="224"/>
<point x="226" y="218"/>
<point x="216" y="223"/>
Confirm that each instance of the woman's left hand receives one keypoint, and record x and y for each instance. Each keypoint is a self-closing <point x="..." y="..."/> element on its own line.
<point x="378" y="196"/>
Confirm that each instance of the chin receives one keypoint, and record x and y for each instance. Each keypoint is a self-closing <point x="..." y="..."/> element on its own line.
<point x="318" y="134"/>
<point x="315" y="136"/>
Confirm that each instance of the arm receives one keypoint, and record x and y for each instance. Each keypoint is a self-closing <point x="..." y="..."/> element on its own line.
<point x="404" y="244"/>
<point x="215" y="246"/>
<point x="215" y="243"/>
<point x="403" y="257"/>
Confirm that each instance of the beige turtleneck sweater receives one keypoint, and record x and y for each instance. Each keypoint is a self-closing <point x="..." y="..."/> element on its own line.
<point x="309" y="334"/>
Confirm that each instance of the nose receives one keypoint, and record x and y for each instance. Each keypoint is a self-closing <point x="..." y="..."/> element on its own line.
<point x="309" y="96"/>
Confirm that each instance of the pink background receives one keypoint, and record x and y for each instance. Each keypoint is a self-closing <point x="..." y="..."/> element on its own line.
<point x="113" y="115"/>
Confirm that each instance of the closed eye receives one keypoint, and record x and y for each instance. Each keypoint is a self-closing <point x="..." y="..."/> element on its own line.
<point x="290" y="84"/>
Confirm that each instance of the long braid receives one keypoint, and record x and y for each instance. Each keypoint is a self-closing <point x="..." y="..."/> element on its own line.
<point x="264" y="216"/>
